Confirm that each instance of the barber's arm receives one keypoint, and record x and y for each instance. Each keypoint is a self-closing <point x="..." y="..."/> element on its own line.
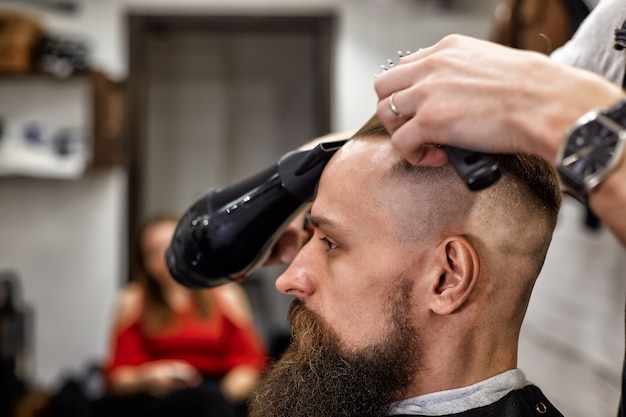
<point x="483" y="96"/>
<point x="608" y="201"/>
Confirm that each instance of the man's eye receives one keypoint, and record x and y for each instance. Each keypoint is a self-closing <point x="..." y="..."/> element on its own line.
<point x="328" y="243"/>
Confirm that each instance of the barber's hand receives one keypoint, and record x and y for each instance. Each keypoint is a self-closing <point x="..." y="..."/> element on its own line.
<point x="291" y="241"/>
<point x="482" y="96"/>
<point x="162" y="377"/>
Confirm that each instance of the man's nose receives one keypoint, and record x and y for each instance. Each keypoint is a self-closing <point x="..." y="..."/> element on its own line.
<point x="297" y="280"/>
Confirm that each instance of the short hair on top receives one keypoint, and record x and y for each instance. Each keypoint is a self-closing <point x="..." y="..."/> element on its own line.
<point x="536" y="179"/>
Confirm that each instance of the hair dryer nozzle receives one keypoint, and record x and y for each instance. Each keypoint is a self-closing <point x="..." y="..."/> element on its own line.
<point x="230" y="232"/>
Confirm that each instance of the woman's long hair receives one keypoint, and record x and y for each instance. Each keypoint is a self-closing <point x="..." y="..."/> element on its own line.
<point x="157" y="313"/>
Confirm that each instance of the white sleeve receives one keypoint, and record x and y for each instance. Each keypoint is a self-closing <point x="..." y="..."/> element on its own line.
<point x="591" y="47"/>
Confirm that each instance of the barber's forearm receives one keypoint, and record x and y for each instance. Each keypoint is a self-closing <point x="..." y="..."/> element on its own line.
<point x="608" y="201"/>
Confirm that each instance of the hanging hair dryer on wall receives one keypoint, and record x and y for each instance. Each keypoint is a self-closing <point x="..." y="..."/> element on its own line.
<point x="228" y="233"/>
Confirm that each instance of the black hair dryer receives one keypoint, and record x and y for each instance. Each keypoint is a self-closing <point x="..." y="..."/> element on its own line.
<point x="231" y="231"/>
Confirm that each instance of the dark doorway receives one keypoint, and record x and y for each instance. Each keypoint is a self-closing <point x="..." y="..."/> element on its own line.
<point x="214" y="99"/>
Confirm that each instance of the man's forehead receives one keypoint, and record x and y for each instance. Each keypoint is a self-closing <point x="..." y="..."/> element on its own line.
<point x="353" y="187"/>
<point x="377" y="149"/>
<point x="357" y="162"/>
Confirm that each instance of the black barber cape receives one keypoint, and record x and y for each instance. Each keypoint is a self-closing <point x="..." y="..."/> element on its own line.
<point x="525" y="402"/>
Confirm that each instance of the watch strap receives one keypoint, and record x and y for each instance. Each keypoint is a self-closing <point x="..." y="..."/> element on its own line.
<point x="617" y="112"/>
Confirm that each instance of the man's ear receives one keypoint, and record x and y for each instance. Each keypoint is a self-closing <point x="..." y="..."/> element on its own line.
<point x="457" y="269"/>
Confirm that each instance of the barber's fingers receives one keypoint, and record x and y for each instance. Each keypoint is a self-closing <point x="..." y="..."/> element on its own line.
<point x="394" y="107"/>
<point x="401" y="75"/>
<point x="416" y="148"/>
<point x="399" y="91"/>
<point x="290" y="244"/>
<point x="390" y="112"/>
<point x="404" y="127"/>
<point x="291" y="241"/>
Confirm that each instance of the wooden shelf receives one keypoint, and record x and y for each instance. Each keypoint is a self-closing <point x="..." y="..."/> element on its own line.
<point x="75" y="124"/>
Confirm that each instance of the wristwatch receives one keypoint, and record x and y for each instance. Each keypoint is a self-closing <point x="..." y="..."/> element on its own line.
<point x="592" y="148"/>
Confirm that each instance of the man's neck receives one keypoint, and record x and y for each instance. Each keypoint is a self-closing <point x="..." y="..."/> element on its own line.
<point x="454" y="358"/>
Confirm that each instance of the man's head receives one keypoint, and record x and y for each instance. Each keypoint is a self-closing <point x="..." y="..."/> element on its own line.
<point x="410" y="283"/>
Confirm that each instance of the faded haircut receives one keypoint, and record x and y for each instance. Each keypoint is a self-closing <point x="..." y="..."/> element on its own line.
<point x="531" y="178"/>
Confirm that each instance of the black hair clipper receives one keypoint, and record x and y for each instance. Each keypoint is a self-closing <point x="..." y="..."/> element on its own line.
<point x="478" y="170"/>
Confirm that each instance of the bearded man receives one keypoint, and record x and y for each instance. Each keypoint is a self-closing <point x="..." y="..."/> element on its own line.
<point x="411" y="291"/>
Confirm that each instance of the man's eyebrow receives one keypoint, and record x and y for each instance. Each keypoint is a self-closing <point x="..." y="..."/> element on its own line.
<point x="321" y="222"/>
<point x="329" y="225"/>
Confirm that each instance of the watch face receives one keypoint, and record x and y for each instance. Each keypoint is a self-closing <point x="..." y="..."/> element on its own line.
<point x="589" y="150"/>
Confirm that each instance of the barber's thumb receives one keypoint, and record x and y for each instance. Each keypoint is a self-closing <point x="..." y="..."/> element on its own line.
<point x="432" y="156"/>
<point x="426" y="155"/>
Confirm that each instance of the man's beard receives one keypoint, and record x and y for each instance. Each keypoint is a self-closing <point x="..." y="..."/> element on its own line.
<point x="314" y="378"/>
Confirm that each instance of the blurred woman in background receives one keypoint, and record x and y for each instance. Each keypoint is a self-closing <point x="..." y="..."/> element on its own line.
<point x="177" y="351"/>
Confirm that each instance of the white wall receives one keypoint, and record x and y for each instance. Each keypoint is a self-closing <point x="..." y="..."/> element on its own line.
<point x="64" y="238"/>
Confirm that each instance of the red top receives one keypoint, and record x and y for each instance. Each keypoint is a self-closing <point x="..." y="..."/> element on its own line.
<point x="213" y="345"/>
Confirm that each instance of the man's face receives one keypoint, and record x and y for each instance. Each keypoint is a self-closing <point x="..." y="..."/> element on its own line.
<point x="353" y="325"/>
<point x="348" y="269"/>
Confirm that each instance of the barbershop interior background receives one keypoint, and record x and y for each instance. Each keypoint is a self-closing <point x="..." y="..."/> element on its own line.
<point x="160" y="101"/>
